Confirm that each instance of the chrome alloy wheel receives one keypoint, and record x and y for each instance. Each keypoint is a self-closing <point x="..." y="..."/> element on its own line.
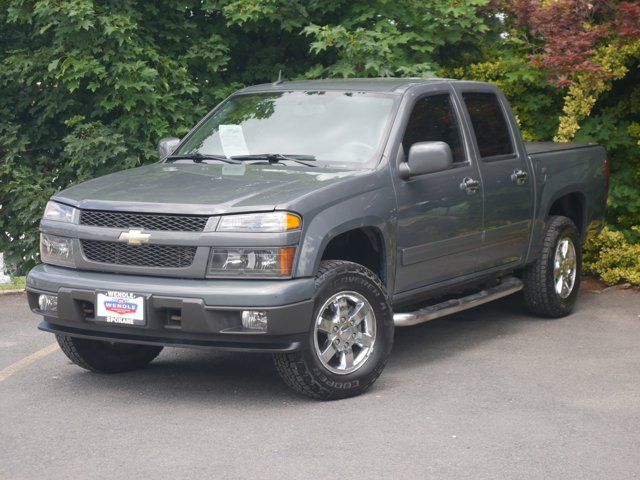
<point x="344" y="333"/>
<point x="565" y="267"/>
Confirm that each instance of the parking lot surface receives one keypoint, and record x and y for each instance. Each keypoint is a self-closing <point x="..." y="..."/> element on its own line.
<point x="488" y="393"/>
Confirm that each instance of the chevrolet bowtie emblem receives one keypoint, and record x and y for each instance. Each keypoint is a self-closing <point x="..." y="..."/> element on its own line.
<point x="134" y="237"/>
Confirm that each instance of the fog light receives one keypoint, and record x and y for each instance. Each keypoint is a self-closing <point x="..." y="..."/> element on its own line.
<point x="48" y="303"/>
<point x="254" y="320"/>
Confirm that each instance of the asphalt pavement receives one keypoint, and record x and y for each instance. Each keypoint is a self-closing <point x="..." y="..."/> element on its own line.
<point x="489" y="393"/>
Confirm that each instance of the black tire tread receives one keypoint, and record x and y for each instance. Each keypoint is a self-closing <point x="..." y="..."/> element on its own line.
<point x="539" y="298"/>
<point x="291" y="366"/>
<point x="69" y="349"/>
<point x="91" y="355"/>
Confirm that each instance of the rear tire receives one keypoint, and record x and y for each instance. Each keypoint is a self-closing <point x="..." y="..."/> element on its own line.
<point x="107" y="357"/>
<point x="350" y="336"/>
<point x="552" y="282"/>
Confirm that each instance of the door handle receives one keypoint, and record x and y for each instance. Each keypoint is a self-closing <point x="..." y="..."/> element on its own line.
<point x="470" y="185"/>
<point x="519" y="177"/>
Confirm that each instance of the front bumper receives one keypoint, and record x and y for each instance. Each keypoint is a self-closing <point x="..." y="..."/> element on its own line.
<point x="209" y="310"/>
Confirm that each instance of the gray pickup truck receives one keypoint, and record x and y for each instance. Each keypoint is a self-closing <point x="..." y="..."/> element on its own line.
<point x="308" y="220"/>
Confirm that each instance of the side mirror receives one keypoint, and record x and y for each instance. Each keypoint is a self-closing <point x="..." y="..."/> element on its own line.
<point x="166" y="146"/>
<point x="426" y="157"/>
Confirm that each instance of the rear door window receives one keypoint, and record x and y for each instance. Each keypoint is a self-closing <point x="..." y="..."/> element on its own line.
<point x="489" y="124"/>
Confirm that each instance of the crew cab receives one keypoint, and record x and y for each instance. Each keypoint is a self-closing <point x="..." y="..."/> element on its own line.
<point x="309" y="219"/>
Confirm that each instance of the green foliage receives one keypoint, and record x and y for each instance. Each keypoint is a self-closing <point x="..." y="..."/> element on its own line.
<point x="613" y="258"/>
<point x="614" y="124"/>
<point x="88" y="89"/>
<point x="532" y="98"/>
<point x="399" y="38"/>
<point x="16" y="283"/>
<point x="90" y="86"/>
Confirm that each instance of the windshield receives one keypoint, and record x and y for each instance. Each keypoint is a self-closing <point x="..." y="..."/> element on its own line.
<point x="335" y="128"/>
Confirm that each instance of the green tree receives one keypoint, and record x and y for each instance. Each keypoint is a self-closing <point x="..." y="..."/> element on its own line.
<point x="89" y="86"/>
<point x="591" y="50"/>
<point x="399" y="38"/>
<point x="87" y="89"/>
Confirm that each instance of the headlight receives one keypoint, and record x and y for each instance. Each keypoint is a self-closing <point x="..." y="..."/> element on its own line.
<point x="251" y="262"/>
<point x="56" y="250"/>
<point x="59" y="212"/>
<point x="271" y="222"/>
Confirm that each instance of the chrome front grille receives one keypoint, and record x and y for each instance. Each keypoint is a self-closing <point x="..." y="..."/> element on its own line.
<point x="115" y="253"/>
<point x="145" y="221"/>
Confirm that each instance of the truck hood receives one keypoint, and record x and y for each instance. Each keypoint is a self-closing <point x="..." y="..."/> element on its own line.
<point x="206" y="189"/>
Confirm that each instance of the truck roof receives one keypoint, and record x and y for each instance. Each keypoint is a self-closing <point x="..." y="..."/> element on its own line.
<point x="358" y="84"/>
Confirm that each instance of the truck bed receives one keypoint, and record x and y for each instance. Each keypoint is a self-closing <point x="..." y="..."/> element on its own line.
<point x="533" y="148"/>
<point x="569" y="167"/>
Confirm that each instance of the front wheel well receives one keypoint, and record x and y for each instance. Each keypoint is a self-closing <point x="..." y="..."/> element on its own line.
<point x="364" y="246"/>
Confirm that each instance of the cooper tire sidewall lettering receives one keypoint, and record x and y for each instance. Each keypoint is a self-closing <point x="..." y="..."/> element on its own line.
<point x="344" y="281"/>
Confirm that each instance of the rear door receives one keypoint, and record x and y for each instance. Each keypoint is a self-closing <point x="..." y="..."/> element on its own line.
<point x="506" y="176"/>
<point x="439" y="220"/>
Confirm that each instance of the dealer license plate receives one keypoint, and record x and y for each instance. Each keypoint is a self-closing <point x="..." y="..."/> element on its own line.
<point x="124" y="308"/>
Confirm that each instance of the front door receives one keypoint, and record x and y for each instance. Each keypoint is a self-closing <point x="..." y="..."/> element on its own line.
<point x="439" y="215"/>
<point x="506" y="179"/>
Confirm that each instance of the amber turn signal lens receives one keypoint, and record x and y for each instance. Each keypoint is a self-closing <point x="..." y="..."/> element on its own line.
<point x="286" y="260"/>
<point x="294" y="222"/>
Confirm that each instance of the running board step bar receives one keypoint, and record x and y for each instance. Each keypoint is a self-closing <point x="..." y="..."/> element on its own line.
<point x="508" y="286"/>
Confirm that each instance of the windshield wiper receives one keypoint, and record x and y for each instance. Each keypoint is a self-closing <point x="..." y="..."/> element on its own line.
<point x="278" y="157"/>
<point x="200" y="157"/>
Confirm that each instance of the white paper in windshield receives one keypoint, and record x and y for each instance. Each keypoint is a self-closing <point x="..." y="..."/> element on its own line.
<point x="232" y="140"/>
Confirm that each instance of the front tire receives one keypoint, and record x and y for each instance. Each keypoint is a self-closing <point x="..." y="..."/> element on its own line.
<point x="350" y="337"/>
<point x="107" y="357"/>
<point x="552" y="282"/>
